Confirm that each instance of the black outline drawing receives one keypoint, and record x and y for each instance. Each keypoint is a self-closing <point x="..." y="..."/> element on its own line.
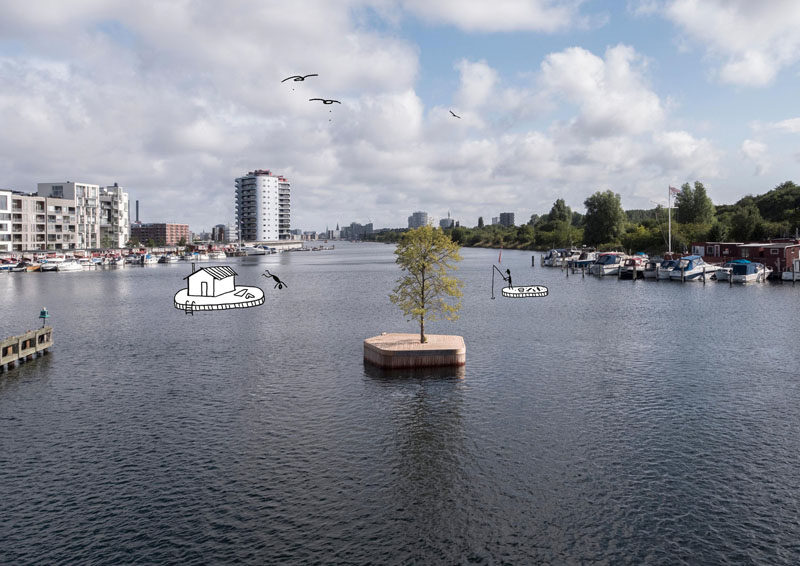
<point x="299" y="77"/>
<point x="325" y="100"/>
<point x="239" y="297"/>
<point x="278" y="283"/>
<point x="519" y="292"/>
<point x="454" y="114"/>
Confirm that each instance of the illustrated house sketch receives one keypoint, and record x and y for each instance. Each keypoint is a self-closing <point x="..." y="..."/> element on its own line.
<point x="214" y="288"/>
<point x="211" y="281"/>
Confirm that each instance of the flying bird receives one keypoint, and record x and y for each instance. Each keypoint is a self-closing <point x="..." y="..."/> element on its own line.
<point x="454" y="114"/>
<point x="325" y="100"/>
<point x="299" y="77"/>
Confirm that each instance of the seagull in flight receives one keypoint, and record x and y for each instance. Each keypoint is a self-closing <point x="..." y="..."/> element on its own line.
<point x="325" y="100"/>
<point x="299" y="77"/>
<point x="454" y="114"/>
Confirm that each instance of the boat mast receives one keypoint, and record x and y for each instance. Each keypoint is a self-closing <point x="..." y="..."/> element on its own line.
<point x="669" y="219"/>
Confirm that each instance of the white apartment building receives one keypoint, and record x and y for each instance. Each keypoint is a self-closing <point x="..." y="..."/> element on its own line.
<point x="5" y="221"/>
<point x="42" y="223"/>
<point x="263" y="207"/>
<point x="87" y="203"/>
<point x="115" y="226"/>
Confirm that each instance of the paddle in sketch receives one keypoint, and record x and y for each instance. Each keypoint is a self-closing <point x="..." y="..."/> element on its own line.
<point x="519" y="291"/>
<point x="454" y="114"/>
<point x="299" y="77"/>
<point x="278" y="283"/>
<point x="214" y="288"/>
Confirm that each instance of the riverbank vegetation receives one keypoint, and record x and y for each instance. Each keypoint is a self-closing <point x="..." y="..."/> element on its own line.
<point x="605" y="225"/>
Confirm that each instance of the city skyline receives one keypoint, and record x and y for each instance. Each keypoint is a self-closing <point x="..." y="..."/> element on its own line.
<point x="469" y="107"/>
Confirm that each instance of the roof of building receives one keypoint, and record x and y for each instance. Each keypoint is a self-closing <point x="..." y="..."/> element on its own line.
<point x="217" y="272"/>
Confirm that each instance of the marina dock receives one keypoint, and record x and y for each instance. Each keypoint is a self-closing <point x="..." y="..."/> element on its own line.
<point x="18" y="349"/>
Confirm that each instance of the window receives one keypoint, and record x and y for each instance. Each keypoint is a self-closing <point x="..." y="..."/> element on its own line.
<point x="774" y="251"/>
<point x="58" y="191"/>
<point x="3" y="202"/>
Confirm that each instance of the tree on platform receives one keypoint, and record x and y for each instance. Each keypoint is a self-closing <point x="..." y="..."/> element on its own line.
<point x="426" y="255"/>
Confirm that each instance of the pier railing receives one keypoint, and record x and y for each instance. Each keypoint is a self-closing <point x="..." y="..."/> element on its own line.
<point x="25" y="346"/>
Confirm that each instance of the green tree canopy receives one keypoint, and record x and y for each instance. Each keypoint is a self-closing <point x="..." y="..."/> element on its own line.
<point x="694" y="205"/>
<point x="747" y="224"/>
<point x="480" y="221"/>
<point x="560" y="212"/>
<point x="604" y="219"/>
<point x="426" y="255"/>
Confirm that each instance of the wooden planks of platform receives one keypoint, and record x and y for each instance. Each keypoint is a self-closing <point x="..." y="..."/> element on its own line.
<point x="395" y="350"/>
<point x="25" y="346"/>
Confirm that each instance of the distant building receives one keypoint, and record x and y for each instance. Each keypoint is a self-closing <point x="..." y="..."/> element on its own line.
<point x="506" y="218"/>
<point x="115" y="228"/>
<point x="231" y="233"/>
<point x="86" y="200"/>
<point x="40" y="223"/>
<point x="446" y="222"/>
<point x="356" y="231"/>
<point x="5" y="221"/>
<point x="218" y="233"/>
<point x="162" y="234"/>
<point x="418" y="219"/>
<point x="495" y="220"/>
<point x="263" y="206"/>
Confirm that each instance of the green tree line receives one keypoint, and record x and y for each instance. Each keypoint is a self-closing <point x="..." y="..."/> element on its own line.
<point x="605" y="225"/>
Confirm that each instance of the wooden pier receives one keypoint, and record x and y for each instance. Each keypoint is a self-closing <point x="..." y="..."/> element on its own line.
<point x="25" y="346"/>
<point x="393" y="351"/>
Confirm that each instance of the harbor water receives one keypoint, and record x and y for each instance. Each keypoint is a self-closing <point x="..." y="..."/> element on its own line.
<point x="611" y="422"/>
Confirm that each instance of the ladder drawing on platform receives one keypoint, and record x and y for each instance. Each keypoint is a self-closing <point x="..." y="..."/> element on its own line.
<point x="190" y="307"/>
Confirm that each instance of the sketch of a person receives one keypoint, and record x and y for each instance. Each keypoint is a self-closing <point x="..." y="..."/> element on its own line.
<point x="278" y="283"/>
<point x="508" y="271"/>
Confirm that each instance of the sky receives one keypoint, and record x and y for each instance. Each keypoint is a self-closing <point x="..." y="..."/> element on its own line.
<point x="557" y="99"/>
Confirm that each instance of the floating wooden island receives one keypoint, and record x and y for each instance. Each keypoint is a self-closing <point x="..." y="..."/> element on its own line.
<point x="396" y="350"/>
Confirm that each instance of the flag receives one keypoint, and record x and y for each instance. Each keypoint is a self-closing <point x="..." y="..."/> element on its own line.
<point x="499" y="257"/>
<point x="674" y="191"/>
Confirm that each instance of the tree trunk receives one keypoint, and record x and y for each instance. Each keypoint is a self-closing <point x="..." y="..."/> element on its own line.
<point x="422" y="316"/>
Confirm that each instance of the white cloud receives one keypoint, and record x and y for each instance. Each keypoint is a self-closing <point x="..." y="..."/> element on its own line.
<point x="499" y="15"/>
<point x="791" y="125"/>
<point x="756" y="152"/>
<point x="611" y="93"/>
<point x="752" y="41"/>
<point x="175" y="101"/>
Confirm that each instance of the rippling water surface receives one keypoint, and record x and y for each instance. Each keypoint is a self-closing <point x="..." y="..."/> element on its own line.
<point x="610" y="422"/>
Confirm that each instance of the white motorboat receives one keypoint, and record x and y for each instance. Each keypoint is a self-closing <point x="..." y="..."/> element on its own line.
<point x="217" y="255"/>
<point x="253" y="250"/>
<point x="633" y="267"/>
<point x="749" y="272"/>
<point x="794" y="273"/>
<point x="692" y="268"/>
<point x="70" y="265"/>
<point x="665" y="268"/>
<point x="607" y="263"/>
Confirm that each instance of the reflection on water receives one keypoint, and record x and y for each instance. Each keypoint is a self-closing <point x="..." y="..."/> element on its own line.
<point x="612" y="421"/>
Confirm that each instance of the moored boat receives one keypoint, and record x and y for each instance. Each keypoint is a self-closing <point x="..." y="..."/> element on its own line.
<point x="692" y="268"/>
<point x="607" y="263"/>
<point x="749" y="272"/>
<point x="792" y="274"/>
<point x="633" y="267"/>
<point x="70" y="265"/>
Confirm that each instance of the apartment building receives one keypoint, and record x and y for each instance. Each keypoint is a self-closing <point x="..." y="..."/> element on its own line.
<point x="42" y="223"/>
<point x="115" y="223"/>
<point x="263" y="206"/>
<point x="5" y="221"/>
<point x="163" y="234"/>
<point x="86" y="199"/>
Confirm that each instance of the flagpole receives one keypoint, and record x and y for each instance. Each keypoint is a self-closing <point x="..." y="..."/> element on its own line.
<point x="669" y="217"/>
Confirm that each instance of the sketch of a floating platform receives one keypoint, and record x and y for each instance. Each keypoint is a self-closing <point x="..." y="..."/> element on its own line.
<point x="214" y="288"/>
